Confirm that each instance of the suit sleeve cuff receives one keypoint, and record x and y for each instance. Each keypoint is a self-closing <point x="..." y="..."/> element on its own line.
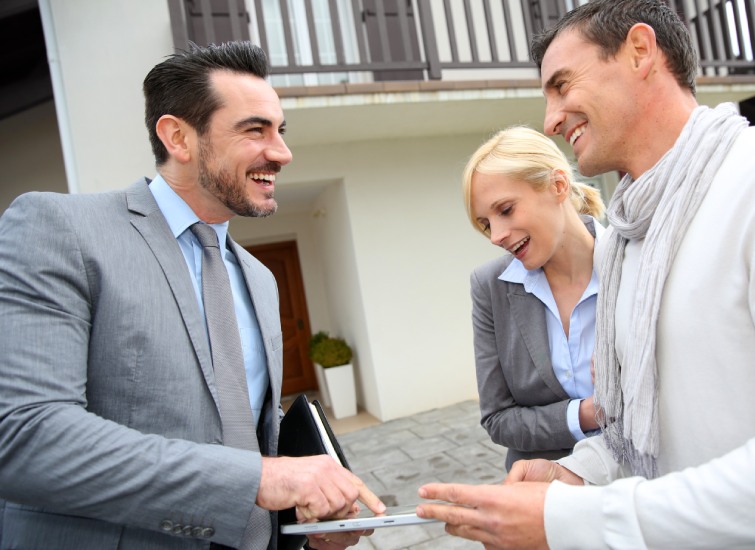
<point x="593" y="462"/>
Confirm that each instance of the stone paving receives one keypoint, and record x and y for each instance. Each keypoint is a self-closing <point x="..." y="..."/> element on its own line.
<point x="396" y="457"/>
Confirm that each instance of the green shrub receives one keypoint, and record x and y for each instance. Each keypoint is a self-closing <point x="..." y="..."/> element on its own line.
<point x="329" y="351"/>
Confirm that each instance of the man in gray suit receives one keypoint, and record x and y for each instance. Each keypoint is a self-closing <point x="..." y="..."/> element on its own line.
<point x="110" y="427"/>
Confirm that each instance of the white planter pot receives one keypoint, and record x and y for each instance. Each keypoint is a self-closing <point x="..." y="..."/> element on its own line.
<point x="340" y="383"/>
<point x="320" y="375"/>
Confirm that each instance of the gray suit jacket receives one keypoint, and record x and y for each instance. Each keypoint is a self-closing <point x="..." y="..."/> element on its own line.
<point x="522" y="403"/>
<point x="110" y="435"/>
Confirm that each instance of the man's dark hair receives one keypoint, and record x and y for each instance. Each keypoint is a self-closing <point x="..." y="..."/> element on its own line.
<point x="180" y="85"/>
<point x="606" y="23"/>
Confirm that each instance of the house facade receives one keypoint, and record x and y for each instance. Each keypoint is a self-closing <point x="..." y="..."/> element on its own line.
<point x="384" y="100"/>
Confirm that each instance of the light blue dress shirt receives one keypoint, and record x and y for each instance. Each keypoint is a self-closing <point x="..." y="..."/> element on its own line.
<point x="570" y="356"/>
<point x="180" y="218"/>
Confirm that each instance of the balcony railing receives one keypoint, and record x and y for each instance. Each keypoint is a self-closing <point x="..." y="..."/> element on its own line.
<point x="329" y="41"/>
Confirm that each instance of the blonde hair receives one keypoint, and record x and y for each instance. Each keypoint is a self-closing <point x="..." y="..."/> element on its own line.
<point x="524" y="154"/>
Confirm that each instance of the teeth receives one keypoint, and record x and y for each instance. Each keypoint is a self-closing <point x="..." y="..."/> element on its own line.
<point x="578" y="132"/>
<point x="519" y="245"/>
<point x="269" y="178"/>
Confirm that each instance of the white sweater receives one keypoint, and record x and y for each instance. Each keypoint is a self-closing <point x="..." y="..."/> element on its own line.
<point x="705" y="497"/>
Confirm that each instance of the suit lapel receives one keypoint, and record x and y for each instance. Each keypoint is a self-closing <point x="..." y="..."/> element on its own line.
<point x="260" y="303"/>
<point x="154" y="229"/>
<point x="529" y="315"/>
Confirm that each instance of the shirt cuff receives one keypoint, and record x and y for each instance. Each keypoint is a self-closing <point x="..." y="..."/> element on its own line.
<point x="572" y="517"/>
<point x="592" y="517"/>
<point x="572" y="420"/>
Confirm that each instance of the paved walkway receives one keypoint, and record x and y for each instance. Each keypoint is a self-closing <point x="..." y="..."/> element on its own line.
<point x="396" y="457"/>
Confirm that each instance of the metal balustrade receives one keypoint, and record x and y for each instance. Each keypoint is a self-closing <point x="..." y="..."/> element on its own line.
<point x="329" y="41"/>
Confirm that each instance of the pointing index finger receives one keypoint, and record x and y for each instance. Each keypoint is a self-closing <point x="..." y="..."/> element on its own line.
<point x="368" y="498"/>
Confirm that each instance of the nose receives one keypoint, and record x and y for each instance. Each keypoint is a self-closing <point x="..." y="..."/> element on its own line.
<point x="554" y="117"/>
<point x="499" y="233"/>
<point x="279" y="151"/>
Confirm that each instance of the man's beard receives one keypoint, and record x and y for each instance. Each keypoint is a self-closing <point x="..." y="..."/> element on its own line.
<point x="227" y="189"/>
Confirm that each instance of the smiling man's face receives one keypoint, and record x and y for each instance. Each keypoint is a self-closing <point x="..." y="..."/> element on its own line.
<point x="243" y="148"/>
<point x="589" y="101"/>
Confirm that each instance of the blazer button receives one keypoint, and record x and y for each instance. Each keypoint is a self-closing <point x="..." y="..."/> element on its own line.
<point x="208" y="532"/>
<point x="196" y="532"/>
<point x="187" y="530"/>
<point x="166" y="525"/>
<point x="177" y="529"/>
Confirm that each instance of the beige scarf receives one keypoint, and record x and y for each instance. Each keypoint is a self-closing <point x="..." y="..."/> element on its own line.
<point x="658" y="207"/>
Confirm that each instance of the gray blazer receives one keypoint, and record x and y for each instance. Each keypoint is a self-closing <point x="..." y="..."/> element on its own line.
<point x="110" y="435"/>
<point x="522" y="403"/>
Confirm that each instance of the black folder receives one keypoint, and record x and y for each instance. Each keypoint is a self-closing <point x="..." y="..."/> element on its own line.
<point x="305" y="431"/>
<point x="300" y="434"/>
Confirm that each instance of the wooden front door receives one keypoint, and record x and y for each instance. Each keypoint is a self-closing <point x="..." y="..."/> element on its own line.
<point x="283" y="260"/>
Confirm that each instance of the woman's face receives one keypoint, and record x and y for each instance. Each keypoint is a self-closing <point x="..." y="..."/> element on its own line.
<point x="526" y="222"/>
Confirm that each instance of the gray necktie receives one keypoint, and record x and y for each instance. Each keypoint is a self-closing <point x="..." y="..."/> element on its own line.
<point x="228" y="365"/>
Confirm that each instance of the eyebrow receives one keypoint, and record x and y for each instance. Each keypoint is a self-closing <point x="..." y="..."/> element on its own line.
<point x="252" y="120"/>
<point x="555" y="77"/>
<point x="497" y="203"/>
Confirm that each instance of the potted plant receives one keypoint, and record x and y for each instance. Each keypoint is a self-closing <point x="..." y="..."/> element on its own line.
<point x="335" y="373"/>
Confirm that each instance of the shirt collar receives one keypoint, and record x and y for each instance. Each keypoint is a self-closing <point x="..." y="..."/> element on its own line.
<point x="177" y="213"/>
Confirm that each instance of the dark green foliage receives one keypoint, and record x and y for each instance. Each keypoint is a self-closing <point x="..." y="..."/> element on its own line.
<point x="329" y="351"/>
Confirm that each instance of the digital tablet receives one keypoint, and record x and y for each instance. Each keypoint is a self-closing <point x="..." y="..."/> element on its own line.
<point x="366" y="519"/>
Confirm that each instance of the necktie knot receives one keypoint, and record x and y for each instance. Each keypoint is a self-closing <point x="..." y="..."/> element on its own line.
<point x="205" y="234"/>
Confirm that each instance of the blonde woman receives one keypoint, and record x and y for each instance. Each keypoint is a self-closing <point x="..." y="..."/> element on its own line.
<point x="534" y="307"/>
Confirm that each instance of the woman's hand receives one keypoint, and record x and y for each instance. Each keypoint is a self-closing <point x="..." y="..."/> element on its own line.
<point x="540" y="469"/>
<point x="588" y="415"/>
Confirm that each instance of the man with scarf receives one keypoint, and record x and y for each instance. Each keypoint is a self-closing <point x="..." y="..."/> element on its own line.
<point x="675" y="342"/>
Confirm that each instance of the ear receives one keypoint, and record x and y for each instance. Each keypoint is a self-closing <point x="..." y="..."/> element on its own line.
<point x="642" y="48"/>
<point x="177" y="137"/>
<point x="560" y="185"/>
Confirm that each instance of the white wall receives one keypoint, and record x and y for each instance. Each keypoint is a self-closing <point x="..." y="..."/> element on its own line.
<point x="333" y="229"/>
<point x="31" y="156"/>
<point x="103" y="50"/>
<point x="413" y="250"/>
